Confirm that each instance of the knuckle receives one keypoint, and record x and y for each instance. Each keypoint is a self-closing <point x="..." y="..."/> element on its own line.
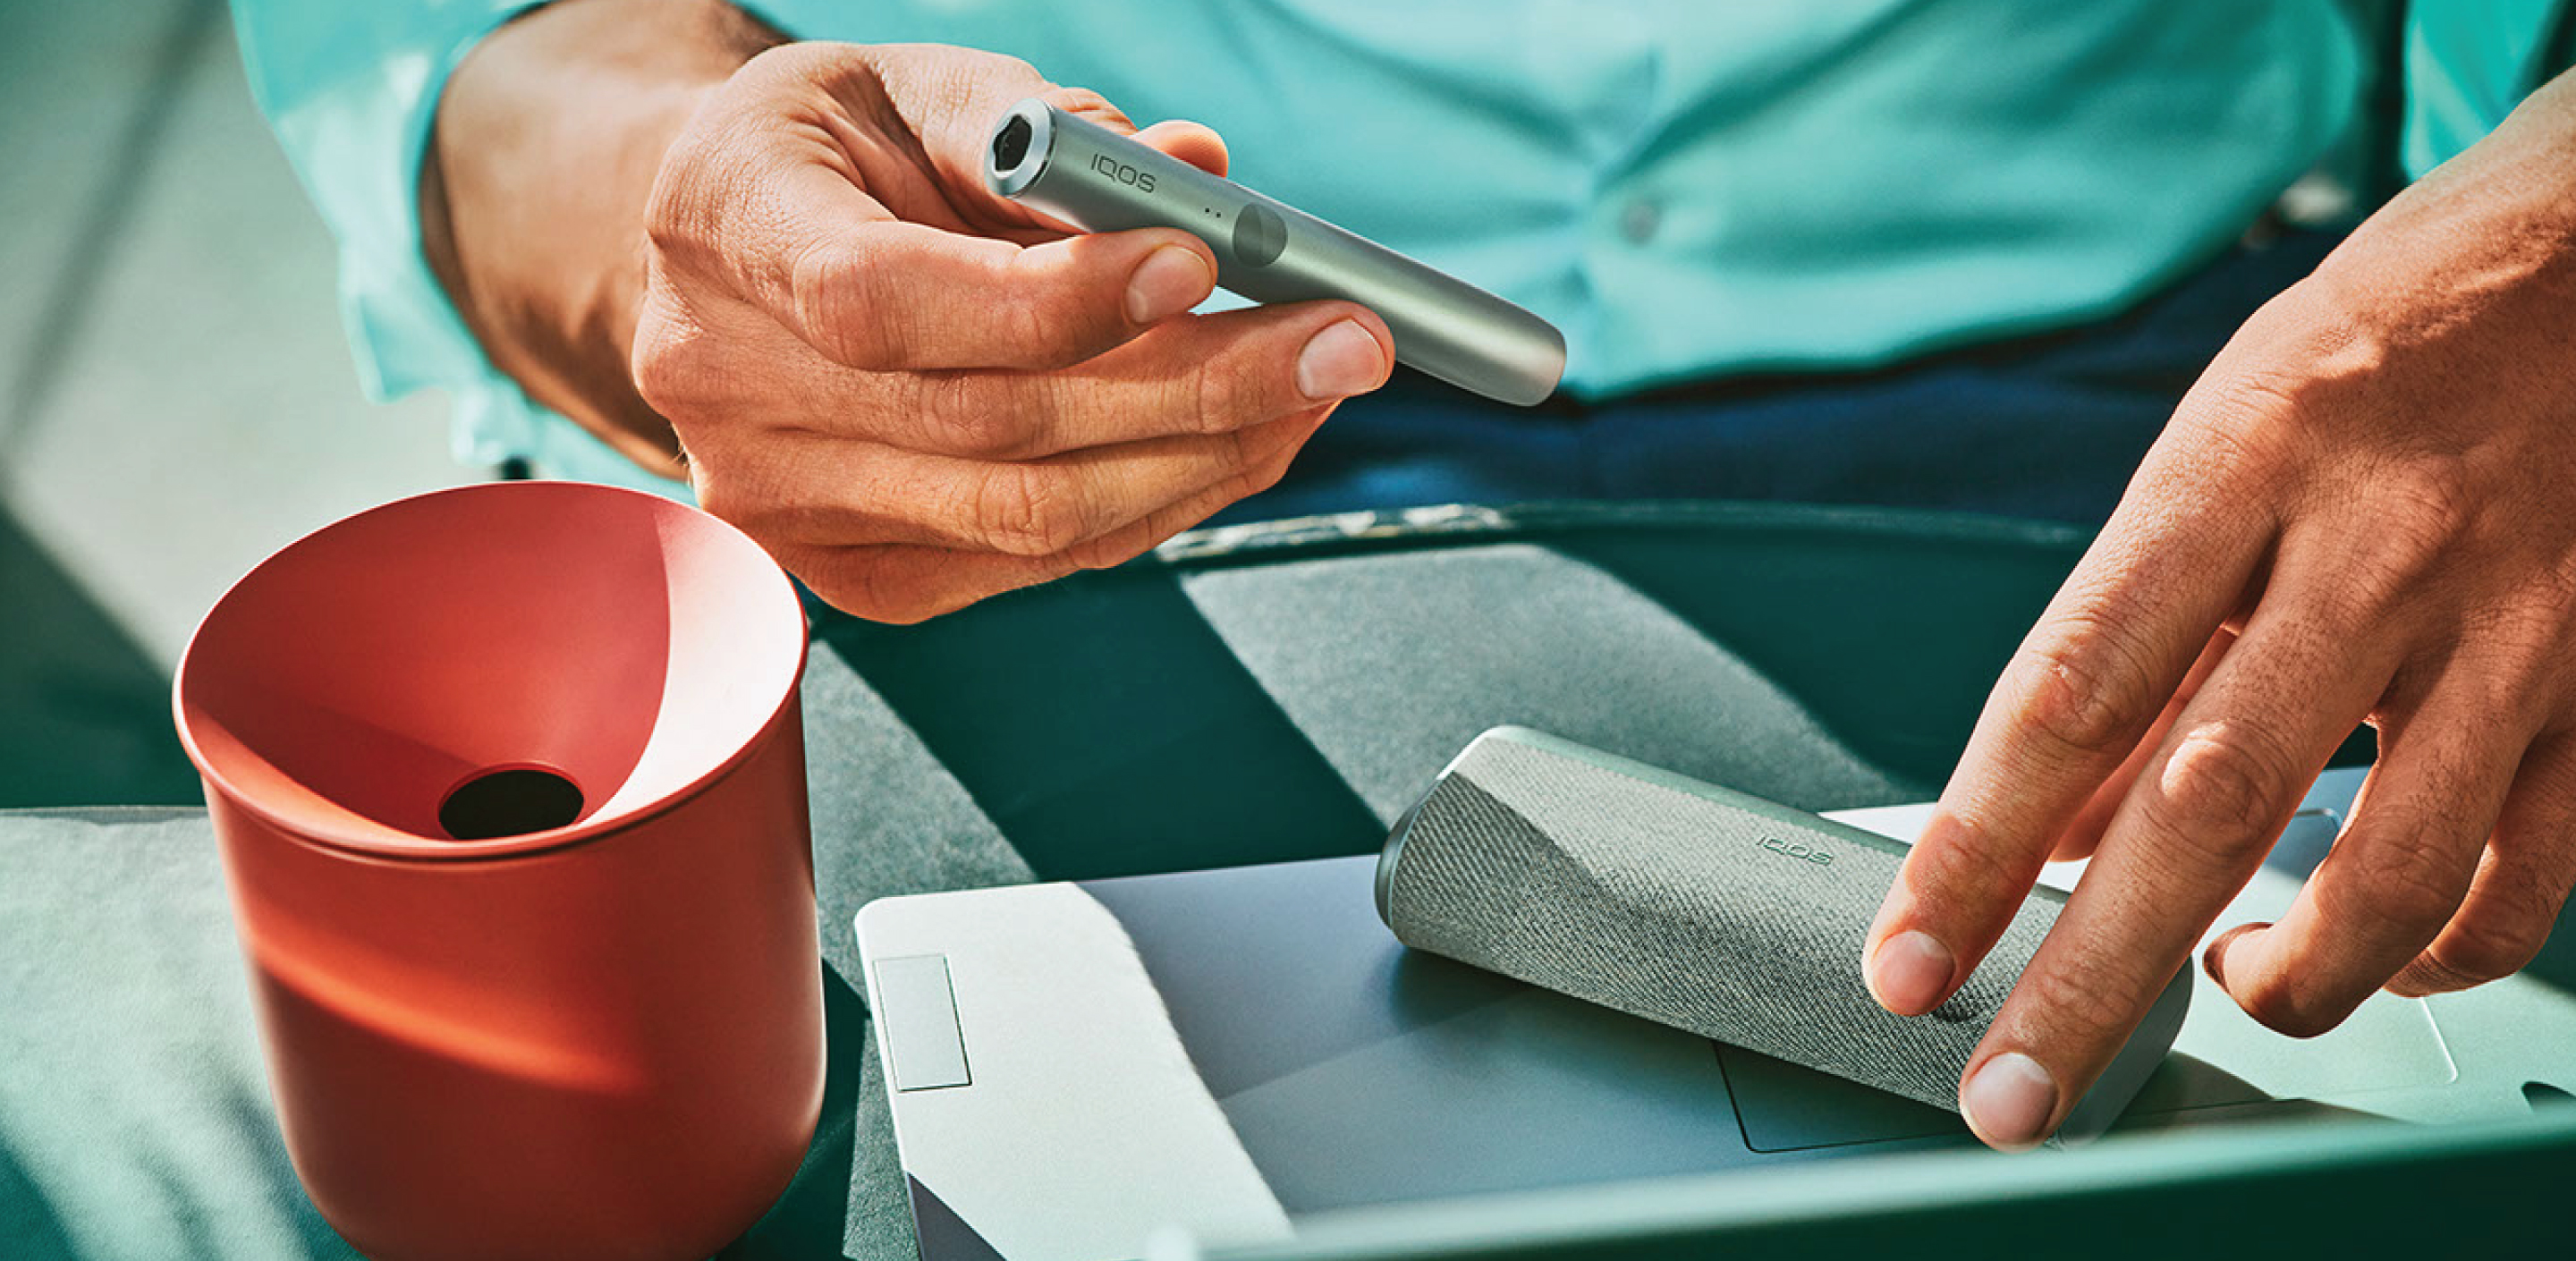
<point x="694" y="215"/>
<point x="1083" y="101"/>
<point x="1962" y="866"/>
<point x="830" y="287"/>
<point x="2429" y="501"/>
<point x="1259" y="478"/>
<point x="660" y="368"/>
<point x="672" y="365"/>
<point x="2551" y="596"/>
<point x="2503" y="936"/>
<point x="1216" y="396"/>
<point x="786" y="64"/>
<point x="1107" y="552"/>
<point x="2421" y="512"/>
<point x="2083" y="694"/>
<point x="1242" y="485"/>
<point x="2392" y="880"/>
<point x="2081" y="999"/>
<point x="1019" y="68"/>
<point x="2486" y="948"/>
<point x="1047" y="315"/>
<point x="2241" y="420"/>
<point x="677" y="219"/>
<point x="671" y="224"/>
<point x="2221" y="789"/>
<point x="2509" y="697"/>
<point x="1036" y="335"/>
<point x="1021" y="510"/>
<point x="965" y="420"/>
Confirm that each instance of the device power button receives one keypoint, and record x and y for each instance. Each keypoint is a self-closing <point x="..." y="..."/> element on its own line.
<point x="1259" y="236"/>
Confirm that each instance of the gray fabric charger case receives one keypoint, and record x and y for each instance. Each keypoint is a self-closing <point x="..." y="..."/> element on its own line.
<point x="1708" y="910"/>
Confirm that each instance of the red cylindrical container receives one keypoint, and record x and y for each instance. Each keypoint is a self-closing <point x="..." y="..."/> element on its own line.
<point x="598" y="1038"/>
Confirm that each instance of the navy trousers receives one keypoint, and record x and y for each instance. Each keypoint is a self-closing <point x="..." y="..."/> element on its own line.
<point x="2047" y="427"/>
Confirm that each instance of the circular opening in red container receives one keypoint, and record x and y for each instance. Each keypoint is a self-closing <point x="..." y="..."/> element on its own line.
<point x="509" y="801"/>
<point x="349" y="686"/>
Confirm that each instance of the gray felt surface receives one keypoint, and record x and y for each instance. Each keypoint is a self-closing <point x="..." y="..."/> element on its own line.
<point x="1456" y="642"/>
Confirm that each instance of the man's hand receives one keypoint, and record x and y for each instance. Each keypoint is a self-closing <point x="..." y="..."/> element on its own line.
<point x="913" y="393"/>
<point x="2364" y="511"/>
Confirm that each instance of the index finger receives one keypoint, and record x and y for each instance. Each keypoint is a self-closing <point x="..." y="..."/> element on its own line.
<point x="784" y="218"/>
<point x="2214" y="797"/>
<point x="2078" y="695"/>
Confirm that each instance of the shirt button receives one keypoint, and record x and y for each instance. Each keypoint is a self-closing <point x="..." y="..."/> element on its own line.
<point x="1639" y="219"/>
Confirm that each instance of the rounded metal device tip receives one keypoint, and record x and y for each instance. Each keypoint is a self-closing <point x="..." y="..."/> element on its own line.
<point x="1023" y="140"/>
<point x="1011" y="143"/>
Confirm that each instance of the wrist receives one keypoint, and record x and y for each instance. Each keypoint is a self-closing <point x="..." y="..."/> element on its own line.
<point x="534" y="190"/>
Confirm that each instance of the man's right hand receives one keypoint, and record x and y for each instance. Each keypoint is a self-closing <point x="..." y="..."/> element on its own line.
<point x="917" y="394"/>
<point x="913" y="393"/>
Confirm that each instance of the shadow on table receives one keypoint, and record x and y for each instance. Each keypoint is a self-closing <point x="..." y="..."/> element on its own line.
<point x="84" y="714"/>
<point x="27" y="1220"/>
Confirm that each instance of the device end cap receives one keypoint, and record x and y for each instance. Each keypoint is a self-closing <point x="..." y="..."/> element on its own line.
<point x="1023" y="139"/>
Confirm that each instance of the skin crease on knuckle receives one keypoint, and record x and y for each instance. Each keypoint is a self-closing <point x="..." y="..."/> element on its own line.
<point x="2222" y="796"/>
<point x="958" y="415"/>
<point x="2391" y="882"/>
<point x="686" y="204"/>
<point x="2085" y="691"/>
<point x="2402" y="893"/>
<point x="840" y="299"/>
<point x="1028" y="510"/>
<point x="2393" y="873"/>
<point x="1216" y="396"/>
<point x="2077" y="998"/>
<point x="2487" y="947"/>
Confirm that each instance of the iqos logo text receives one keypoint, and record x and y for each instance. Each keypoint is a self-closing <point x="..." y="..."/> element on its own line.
<point x="1123" y="173"/>
<point x="1798" y="850"/>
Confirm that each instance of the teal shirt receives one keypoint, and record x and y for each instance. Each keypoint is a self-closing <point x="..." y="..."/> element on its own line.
<point x="1685" y="188"/>
<point x="2468" y="63"/>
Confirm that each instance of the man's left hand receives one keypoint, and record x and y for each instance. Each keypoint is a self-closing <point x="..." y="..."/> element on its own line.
<point x="2365" y="511"/>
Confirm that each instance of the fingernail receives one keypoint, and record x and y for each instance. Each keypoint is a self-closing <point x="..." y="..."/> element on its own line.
<point x="1170" y="280"/>
<point x="1340" y="361"/>
<point x="1911" y="972"/>
<point x="2009" y="1100"/>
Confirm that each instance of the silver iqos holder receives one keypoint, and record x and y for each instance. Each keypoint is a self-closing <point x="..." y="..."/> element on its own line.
<point x="1100" y="181"/>
<point x="1708" y="910"/>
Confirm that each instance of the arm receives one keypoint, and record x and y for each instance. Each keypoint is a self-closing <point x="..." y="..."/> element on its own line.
<point x="775" y="267"/>
<point x="549" y="137"/>
<point x="2365" y="511"/>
